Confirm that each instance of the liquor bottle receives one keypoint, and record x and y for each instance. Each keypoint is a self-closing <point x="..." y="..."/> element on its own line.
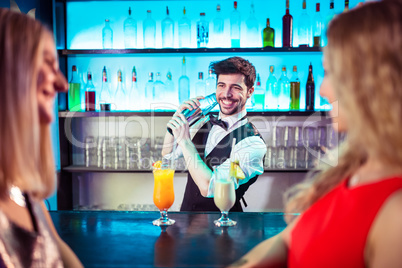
<point x="107" y="36"/>
<point x="252" y="33"/>
<point x="328" y="18"/>
<point x="202" y="31"/>
<point x="184" y="84"/>
<point x="272" y="95"/>
<point x="74" y="91"/>
<point x="210" y="83"/>
<point x="310" y="90"/>
<point x="167" y="26"/>
<point x="268" y="36"/>
<point x="284" y="88"/>
<point x="200" y="87"/>
<point x="258" y="95"/>
<point x="136" y="98"/>
<point x="235" y="23"/>
<point x="89" y="94"/>
<point x="346" y="6"/>
<point x="120" y="97"/>
<point x="149" y="87"/>
<point x="317" y="31"/>
<point x="149" y="26"/>
<point x="170" y="92"/>
<point x="294" y="90"/>
<point x="287" y="28"/>
<point x="218" y="38"/>
<point x="304" y="28"/>
<point x="158" y="89"/>
<point x="105" y="96"/>
<point x="130" y="31"/>
<point x="184" y="31"/>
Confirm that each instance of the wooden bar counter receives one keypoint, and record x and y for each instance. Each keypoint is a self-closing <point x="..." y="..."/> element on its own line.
<point x="128" y="239"/>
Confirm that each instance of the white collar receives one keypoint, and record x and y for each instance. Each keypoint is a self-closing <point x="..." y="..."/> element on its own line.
<point x="234" y="118"/>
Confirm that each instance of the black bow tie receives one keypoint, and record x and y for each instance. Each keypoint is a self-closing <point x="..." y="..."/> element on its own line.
<point x="218" y="122"/>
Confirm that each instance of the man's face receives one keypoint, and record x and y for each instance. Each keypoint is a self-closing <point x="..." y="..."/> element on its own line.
<point x="232" y="93"/>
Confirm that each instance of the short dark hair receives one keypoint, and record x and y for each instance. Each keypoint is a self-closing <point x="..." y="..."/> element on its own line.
<point x="235" y="65"/>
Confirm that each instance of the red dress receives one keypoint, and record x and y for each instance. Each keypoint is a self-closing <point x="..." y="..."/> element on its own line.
<point x="333" y="231"/>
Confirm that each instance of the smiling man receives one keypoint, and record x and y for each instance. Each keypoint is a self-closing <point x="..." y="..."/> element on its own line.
<point x="208" y="143"/>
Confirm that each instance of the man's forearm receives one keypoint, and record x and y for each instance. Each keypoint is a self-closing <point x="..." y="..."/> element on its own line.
<point x="199" y="171"/>
<point x="167" y="144"/>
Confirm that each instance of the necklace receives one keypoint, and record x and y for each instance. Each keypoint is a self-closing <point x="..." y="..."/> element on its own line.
<point x="17" y="196"/>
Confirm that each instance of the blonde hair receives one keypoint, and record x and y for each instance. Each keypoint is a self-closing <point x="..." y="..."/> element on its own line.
<point x="365" y="60"/>
<point x="26" y="158"/>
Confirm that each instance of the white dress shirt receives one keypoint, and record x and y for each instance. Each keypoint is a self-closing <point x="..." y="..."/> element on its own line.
<point x="250" y="151"/>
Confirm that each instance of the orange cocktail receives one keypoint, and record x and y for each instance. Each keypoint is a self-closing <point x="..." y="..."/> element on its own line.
<point x="163" y="188"/>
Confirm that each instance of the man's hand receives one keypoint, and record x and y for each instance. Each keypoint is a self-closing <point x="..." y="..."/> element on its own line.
<point x="180" y="127"/>
<point x="190" y="104"/>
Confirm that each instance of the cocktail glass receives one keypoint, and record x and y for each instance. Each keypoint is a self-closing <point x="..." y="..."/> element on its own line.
<point x="224" y="197"/>
<point x="163" y="193"/>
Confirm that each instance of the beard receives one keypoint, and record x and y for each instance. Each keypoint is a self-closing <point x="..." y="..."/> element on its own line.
<point x="231" y="106"/>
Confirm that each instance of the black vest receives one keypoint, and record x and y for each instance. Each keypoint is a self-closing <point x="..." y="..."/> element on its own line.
<point x="193" y="200"/>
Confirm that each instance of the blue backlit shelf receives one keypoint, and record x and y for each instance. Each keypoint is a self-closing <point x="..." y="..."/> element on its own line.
<point x="66" y="52"/>
<point x="68" y="114"/>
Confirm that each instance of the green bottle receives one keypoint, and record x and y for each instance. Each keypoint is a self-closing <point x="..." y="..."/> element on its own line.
<point x="74" y="91"/>
<point x="294" y="90"/>
<point x="268" y="36"/>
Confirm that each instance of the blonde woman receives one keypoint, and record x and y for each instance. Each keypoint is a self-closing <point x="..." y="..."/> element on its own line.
<point x="29" y="81"/>
<point x="351" y="214"/>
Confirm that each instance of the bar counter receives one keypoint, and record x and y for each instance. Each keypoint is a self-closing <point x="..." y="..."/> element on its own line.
<point x="128" y="239"/>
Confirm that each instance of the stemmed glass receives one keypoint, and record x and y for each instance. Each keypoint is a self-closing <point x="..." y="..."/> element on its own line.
<point x="224" y="197"/>
<point x="163" y="192"/>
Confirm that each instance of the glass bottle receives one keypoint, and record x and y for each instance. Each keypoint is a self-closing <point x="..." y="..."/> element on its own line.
<point x="218" y="38"/>
<point x="170" y="91"/>
<point x="202" y="31"/>
<point x="284" y="87"/>
<point x="89" y="93"/>
<point x="184" y="31"/>
<point x="107" y="36"/>
<point x="310" y="90"/>
<point x="74" y="91"/>
<point x="317" y="32"/>
<point x="210" y="83"/>
<point x="120" y="97"/>
<point x="167" y="30"/>
<point x="268" y="36"/>
<point x="287" y="28"/>
<point x="272" y="94"/>
<point x="294" y="90"/>
<point x="346" y="6"/>
<point x="158" y="89"/>
<point x="200" y="86"/>
<point x="235" y="23"/>
<point x="252" y="33"/>
<point x="149" y="87"/>
<point x="184" y="84"/>
<point x="259" y="95"/>
<point x="304" y="28"/>
<point x="135" y="96"/>
<point x="149" y="26"/>
<point x="130" y="31"/>
<point x="328" y="18"/>
<point x="105" y="96"/>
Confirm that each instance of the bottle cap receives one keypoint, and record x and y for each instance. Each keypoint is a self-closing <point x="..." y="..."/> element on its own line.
<point x="271" y="68"/>
<point x="184" y="60"/>
<point x="148" y="11"/>
<point x="106" y="20"/>
<point x="268" y="22"/>
<point x="129" y="10"/>
<point x="218" y="7"/>
<point x="202" y="14"/>
<point x="200" y="75"/>
<point x="304" y="4"/>
<point x="235" y="4"/>
<point x="295" y="68"/>
<point x="283" y="68"/>
<point x="317" y="7"/>
<point x="184" y="10"/>
<point x="167" y="10"/>
<point x="331" y="5"/>
<point x="74" y="68"/>
<point x="89" y="76"/>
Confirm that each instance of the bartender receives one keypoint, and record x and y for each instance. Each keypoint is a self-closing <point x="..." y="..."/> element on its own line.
<point x="208" y="143"/>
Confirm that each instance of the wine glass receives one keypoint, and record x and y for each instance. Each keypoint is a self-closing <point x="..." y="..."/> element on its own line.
<point x="224" y="197"/>
<point x="163" y="193"/>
